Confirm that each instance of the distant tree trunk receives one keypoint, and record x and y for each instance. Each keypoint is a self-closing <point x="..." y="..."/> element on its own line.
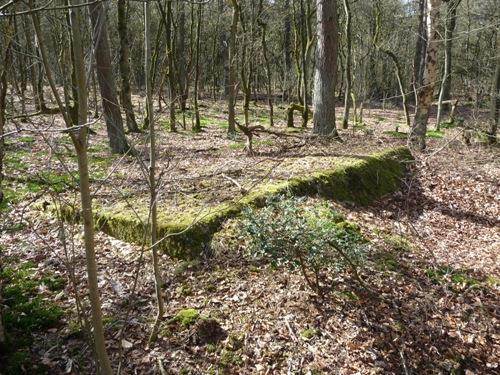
<point x="347" y="94"/>
<point x="197" y="124"/>
<point x="495" y="98"/>
<point x="102" y="54"/>
<point x="231" y="85"/>
<point x="451" y="22"/>
<point x="125" y="94"/>
<point x="397" y="65"/>
<point x="269" y="86"/>
<point x="426" y="93"/>
<point x="326" y="68"/>
<point x="5" y="62"/>
<point x="445" y="90"/>
<point x="288" y="52"/>
<point x="182" y="56"/>
<point x="419" y="59"/>
<point x="171" y="66"/>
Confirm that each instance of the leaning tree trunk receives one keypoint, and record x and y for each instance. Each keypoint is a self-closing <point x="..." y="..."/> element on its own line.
<point x="102" y="54"/>
<point x="419" y="128"/>
<point x="495" y="98"/>
<point x="325" y="69"/>
<point x="125" y="94"/>
<point x="348" y="77"/>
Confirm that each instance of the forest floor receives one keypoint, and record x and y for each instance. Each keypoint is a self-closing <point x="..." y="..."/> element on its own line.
<point x="433" y="258"/>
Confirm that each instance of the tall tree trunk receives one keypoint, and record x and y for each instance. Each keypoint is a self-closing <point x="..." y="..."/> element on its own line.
<point x="153" y="227"/>
<point x="269" y="86"/>
<point x="171" y="66"/>
<point x="79" y="139"/>
<point x="451" y="23"/>
<point x="125" y="93"/>
<point x="231" y="84"/>
<point x="181" y="56"/>
<point x="495" y="97"/>
<point x="426" y="93"/>
<point x="445" y="90"/>
<point x="326" y="68"/>
<point x="5" y="62"/>
<point x="197" y="124"/>
<point x="287" y="76"/>
<point x="348" y="63"/>
<point x="102" y="54"/>
<point x="420" y="47"/>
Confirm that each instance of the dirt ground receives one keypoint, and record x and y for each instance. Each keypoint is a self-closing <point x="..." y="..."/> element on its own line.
<point x="436" y="307"/>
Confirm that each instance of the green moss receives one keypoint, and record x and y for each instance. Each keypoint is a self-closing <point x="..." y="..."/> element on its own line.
<point x="396" y="134"/>
<point x="236" y="146"/>
<point x="359" y="181"/>
<point x="434" y="134"/>
<point x="25" y="311"/>
<point x="186" y="317"/>
<point x="309" y="333"/>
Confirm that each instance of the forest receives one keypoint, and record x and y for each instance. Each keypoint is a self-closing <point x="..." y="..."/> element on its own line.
<point x="249" y="187"/>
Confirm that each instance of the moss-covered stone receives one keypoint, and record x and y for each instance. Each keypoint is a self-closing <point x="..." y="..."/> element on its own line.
<point x="355" y="180"/>
<point x="186" y="318"/>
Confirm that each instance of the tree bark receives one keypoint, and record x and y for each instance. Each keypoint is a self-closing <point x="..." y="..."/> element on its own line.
<point x="451" y="22"/>
<point x="326" y="68"/>
<point x="420" y="47"/>
<point x="445" y="90"/>
<point x="348" y="77"/>
<point x="153" y="204"/>
<point x="102" y="54"/>
<point x="419" y="128"/>
<point x="495" y="98"/>
<point x="3" y="94"/>
<point x="231" y="84"/>
<point x="125" y="93"/>
<point x="79" y="139"/>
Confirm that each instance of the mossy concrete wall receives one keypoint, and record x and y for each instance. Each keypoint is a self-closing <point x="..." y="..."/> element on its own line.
<point x="356" y="180"/>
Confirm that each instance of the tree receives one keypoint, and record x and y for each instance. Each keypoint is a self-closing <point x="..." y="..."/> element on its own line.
<point x="231" y="85"/>
<point x="5" y="61"/>
<point x="125" y="93"/>
<point x="425" y="95"/>
<point x="348" y="63"/>
<point x="79" y="137"/>
<point x="102" y="55"/>
<point x="445" y="91"/>
<point x="326" y="68"/>
<point x="153" y="225"/>
<point x="495" y="97"/>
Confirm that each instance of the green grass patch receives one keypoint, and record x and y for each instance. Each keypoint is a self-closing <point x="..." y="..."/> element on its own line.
<point x="396" y="134"/>
<point x="436" y="134"/>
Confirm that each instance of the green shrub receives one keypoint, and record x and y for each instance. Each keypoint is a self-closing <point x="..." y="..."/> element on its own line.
<point x="313" y="238"/>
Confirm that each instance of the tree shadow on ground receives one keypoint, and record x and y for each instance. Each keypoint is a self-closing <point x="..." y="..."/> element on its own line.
<point x="427" y="319"/>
